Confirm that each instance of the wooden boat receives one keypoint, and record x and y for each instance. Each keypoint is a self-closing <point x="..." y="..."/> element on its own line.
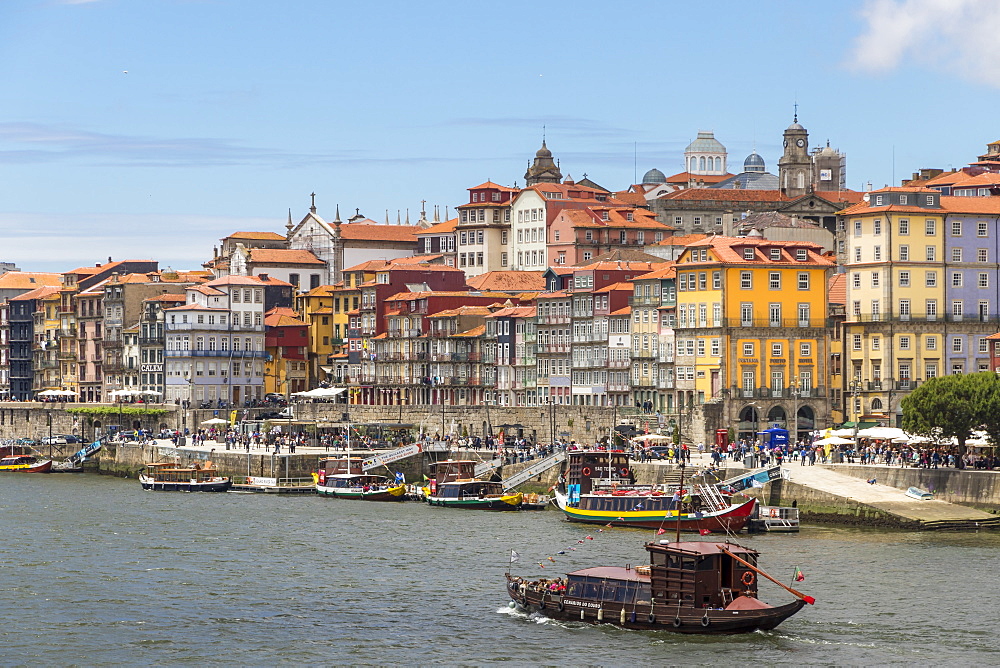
<point x="689" y="587"/>
<point x="599" y="489"/>
<point x="344" y="478"/>
<point x="917" y="493"/>
<point x="536" y="501"/>
<point x="454" y="486"/>
<point x="25" y="464"/>
<point x="169" y="477"/>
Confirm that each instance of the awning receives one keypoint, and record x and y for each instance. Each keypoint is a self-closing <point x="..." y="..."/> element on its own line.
<point x="326" y="369"/>
<point x="864" y="424"/>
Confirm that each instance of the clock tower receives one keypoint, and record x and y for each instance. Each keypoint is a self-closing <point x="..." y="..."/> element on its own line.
<point x="795" y="177"/>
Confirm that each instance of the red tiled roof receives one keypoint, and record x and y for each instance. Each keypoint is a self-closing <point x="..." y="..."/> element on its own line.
<point x="686" y="177"/>
<point x="376" y="232"/>
<point x="38" y="293"/>
<point x="494" y="186"/>
<point x="283" y="256"/>
<point x="682" y="240"/>
<point x="668" y="271"/>
<point x="261" y="236"/>
<point x="724" y="250"/>
<point x="726" y="194"/>
<point x="29" y="280"/>
<point x="508" y="281"/>
<point x="837" y="289"/>
<point x="441" y="228"/>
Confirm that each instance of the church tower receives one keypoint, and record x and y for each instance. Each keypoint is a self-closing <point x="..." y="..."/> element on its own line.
<point x="544" y="169"/>
<point x="795" y="175"/>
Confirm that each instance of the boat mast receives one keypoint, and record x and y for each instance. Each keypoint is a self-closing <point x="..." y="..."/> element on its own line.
<point x="680" y="491"/>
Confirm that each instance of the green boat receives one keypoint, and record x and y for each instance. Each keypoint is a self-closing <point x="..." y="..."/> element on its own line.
<point x="455" y="486"/>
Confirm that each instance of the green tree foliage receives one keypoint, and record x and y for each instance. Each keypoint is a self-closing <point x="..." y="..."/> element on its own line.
<point x="677" y="434"/>
<point x="954" y="406"/>
<point x="115" y="410"/>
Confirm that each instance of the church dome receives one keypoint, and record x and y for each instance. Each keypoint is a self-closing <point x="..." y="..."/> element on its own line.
<point x="653" y="177"/>
<point x="754" y="163"/>
<point x="796" y="125"/>
<point x="543" y="152"/>
<point x="706" y="142"/>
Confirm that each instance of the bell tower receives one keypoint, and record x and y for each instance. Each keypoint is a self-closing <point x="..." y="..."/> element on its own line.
<point x="795" y="176"/>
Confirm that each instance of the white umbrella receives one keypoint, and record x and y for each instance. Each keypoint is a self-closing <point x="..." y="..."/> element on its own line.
<point x="883" y="432"/>
<point x="652" y="437"/>
<point x="833" y="440"/>
<point x="320" y="393"/>
<point x="842" y="432"/>
<point x="215" y="421"/>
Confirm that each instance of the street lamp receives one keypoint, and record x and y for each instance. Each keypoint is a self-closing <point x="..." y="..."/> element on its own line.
<point x="796" y="391"/>
<point x="855" y="388"/>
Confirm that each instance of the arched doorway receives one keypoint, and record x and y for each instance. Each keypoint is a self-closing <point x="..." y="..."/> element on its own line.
<point x="776" y="417"/>
<point x="806" y="422"/>
<point x="749" y="421"/>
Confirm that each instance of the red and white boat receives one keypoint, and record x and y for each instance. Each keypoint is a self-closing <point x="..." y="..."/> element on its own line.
<point x="25" y="464"/>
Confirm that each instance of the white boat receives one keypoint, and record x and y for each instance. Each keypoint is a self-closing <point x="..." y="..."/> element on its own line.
<point x="777" y="519"/>
<point x="917" y="493"/>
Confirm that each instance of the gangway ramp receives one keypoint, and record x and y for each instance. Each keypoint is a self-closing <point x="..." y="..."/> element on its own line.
<point x="391" y="456"/>
<point x="541" y="466"/>
<point x="482" y="468"/>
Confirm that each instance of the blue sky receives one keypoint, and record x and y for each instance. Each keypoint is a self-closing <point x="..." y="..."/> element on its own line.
<point x="152" y="128"/>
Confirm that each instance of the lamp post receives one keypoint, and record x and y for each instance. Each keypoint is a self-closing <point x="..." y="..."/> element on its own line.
<point x="855" y="388"/>
<point x="796" y="390"/>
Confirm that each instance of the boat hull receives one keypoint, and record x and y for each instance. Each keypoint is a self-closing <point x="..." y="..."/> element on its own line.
<point x="397" y="493"/>
<point x="207" y="486"/>
<point x="38" y="467"/>
<point x="731" y="519"/>
<point x="512" y="502"/>
<point x="651" y="618"/>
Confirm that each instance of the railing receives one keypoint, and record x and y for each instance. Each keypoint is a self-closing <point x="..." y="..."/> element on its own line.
<point x="774" y="322"/>
<point x="665" y="358"/>
<point x="619" y="364"/>
<point x="644" y="301"/>
<point x="553" y="348"/>
<point x="643" y="352"/>
<point x="552" y="319"/>
<point x="235" y="354"/>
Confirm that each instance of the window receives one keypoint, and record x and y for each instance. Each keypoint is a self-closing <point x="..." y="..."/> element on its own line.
<point x="857" y="228"/>
<point x="904" y="279"/>
<point x="775" y="254"/>
<point x="857" y="253"/>
<point x="984" y="280"/>
<point x="805" y="350"/>
<point x="981" y="228"/>
<point x="904" y="226"/>
<point x="746" y="280"/>
<point x="716" y="280"/>
<point x="747" y="350"/>
<point x="904" y="343"/>
<point x="776" y="350"/>
<point x="856" y="342"/>
<point x="983" y="345"/>
<point x="876" y="309"/>
<point x="748" y="254"/>
<point x="856" y="279"/>
<point x="956" y="344"/>
<point x="930" y="308"/>
<point x="930" y="227"/>
<point x="774" y="280"/>
<point x="956" y="228"/>
<point x="878" y="253"/>
<point x="904" y="253"/>
<point x="803" y="280"/>
<point x="856" y="308"/>
<point x="801" y="254"/>
<point x="931" y="343"/>
<point x="956" y="279"/>
<point x="956" y="254"/>
<point x="930" y="254"/>
<point x="875" y="279"/>
<point x="878" y="200"/>
<point x="956" y="309"/>
<point x="877" y="227"/>
<point x="984" y="310"/>
<point x="876" y="342"/>
<point x="697" y="221"/>
<point x="930" y="279"/>
<point x="982" y="255"/>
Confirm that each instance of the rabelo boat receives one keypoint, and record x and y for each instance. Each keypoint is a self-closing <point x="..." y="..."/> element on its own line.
<point x="169" y="477"/>
<point x="599" y="488"/>
<point x="343" y="478"/>
<point x="454" y="485"/>
<point x="697" y="587"/>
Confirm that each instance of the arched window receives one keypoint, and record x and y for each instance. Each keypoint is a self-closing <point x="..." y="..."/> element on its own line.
<point x="800" y="180"/>
<point x="702" y="163"/>
<point x="876" y="404"/>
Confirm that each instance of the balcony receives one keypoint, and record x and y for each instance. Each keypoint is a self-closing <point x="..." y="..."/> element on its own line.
<point x="643" y="353"/>
<point x="552" y="319"/>
<point x="786" y="323"/>
<point x="616" y="387"/>
<point x="665" y="383"/>
<point x="619" y="364"/>
<point x="553" y="348"/>
<point x="644" y="301"/>
<point x="225" y="354"/>
<point x="663" y="357"/>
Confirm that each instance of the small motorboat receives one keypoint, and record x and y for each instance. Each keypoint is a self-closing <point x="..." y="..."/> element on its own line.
<point x="169" y="477"/>
<point x="25" y="464"/>
<point x="917" y="493"/>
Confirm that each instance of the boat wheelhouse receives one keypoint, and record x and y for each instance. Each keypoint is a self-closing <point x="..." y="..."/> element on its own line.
<point x="689" y="587"/>
<point x="454" y="485"/>
<point x="344" y="478"/>
<point x="169" y="477"/>
<point x="600" y="489"/>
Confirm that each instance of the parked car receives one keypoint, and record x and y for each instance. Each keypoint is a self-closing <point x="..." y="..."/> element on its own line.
<point x="54" y="440"/>
<point x="659" y="452"/>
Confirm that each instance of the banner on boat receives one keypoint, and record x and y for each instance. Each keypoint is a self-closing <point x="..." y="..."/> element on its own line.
<point x="389" y="457"/>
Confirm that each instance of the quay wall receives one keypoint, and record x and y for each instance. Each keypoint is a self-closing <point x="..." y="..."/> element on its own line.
<point x="978" y="489"/>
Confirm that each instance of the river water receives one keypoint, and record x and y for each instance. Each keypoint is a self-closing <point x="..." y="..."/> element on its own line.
<point x="94" y="571"/>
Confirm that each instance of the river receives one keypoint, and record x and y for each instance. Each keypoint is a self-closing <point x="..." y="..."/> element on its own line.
<point x="94" y="571"/>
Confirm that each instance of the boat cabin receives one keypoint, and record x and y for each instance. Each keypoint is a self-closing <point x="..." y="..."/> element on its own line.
<point x="338" y="465"/>
<point x="19" y="460"/>
<point x="610" y="583"/>
<point x="453" y="470"/>
<point x="170" y="472"/>
<point x="467" y="489"/>
<point x="350" y="480"/>
<point x="701" y="574"/>
<point x="587" y="469"/>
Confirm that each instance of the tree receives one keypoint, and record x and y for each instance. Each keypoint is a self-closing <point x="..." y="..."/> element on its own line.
<point x="677" y="434"/>
<point x="954" y="406"/>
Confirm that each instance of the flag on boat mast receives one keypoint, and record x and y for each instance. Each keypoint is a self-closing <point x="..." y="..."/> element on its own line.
<point x="514" y="556"/>
<point x="798" y="575"/>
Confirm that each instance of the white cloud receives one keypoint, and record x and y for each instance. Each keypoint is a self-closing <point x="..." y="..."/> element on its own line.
<point x="957" y="36"/>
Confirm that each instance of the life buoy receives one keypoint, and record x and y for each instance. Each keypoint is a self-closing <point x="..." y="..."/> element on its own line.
<point x="705" y="621"/>
<point x="774" y="512"/>
<point x="677" y="622"/>
<point x="625" y="471"/>
<point x="585" y="472"/>
<point x="748" y="578"/>
<point x="651" y="618"/>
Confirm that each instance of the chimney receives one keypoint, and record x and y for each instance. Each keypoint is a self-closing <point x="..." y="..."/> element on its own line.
<point x="262" y="277"/>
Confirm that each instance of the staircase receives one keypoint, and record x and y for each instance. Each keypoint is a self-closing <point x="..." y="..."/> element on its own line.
<point x="535" y="469"/>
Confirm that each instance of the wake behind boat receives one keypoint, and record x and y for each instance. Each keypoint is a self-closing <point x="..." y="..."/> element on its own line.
<point x="689" y="587"/>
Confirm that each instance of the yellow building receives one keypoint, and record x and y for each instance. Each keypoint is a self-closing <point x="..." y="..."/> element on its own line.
<point x="751" y="336"/>
<point x="316" y="310"/>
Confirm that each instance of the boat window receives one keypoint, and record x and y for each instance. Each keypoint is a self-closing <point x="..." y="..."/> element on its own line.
<point x="643" y="595"/>
<point x="658" y="558"/>
<point x="688" y="563"/>
<point x="673" y="561"/>
<point x="610" y="590"/>
<point x="630" y="592"/>
<point x="706" y="564"/>
<point x="575" y="588"/>
<point x="592" y="589"/>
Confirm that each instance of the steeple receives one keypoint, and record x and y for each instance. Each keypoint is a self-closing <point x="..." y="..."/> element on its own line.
<point x="312" y="206"/>
<point x="288" y="230"/>
<point x="544" y="169"/>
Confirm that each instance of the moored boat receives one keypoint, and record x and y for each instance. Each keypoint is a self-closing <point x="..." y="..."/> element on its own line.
<point x="921" y="494"/>
<point x="455" y="486"/>
<point x="25" y="464"/>
<point x="169" y="477"/>
<point x="696" y="587"/>
<point x="600" y="489"/>
<point x="344" y="478"/>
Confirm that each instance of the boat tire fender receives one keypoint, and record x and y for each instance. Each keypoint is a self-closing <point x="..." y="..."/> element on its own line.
<point x="651" y="618"/>
<point x="561" y="606"/>
<point x="705" y="621"/>
<point x="541" y="604"/>
<point x="677" y="622"/>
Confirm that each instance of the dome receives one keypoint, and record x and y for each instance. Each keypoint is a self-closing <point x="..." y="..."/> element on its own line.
<point x="705" y="142"/>
<point x="796" y="126"/>
<point x="754" y="163"/>
<point x="653" y="177"/>
<point x="543" y="152"/>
